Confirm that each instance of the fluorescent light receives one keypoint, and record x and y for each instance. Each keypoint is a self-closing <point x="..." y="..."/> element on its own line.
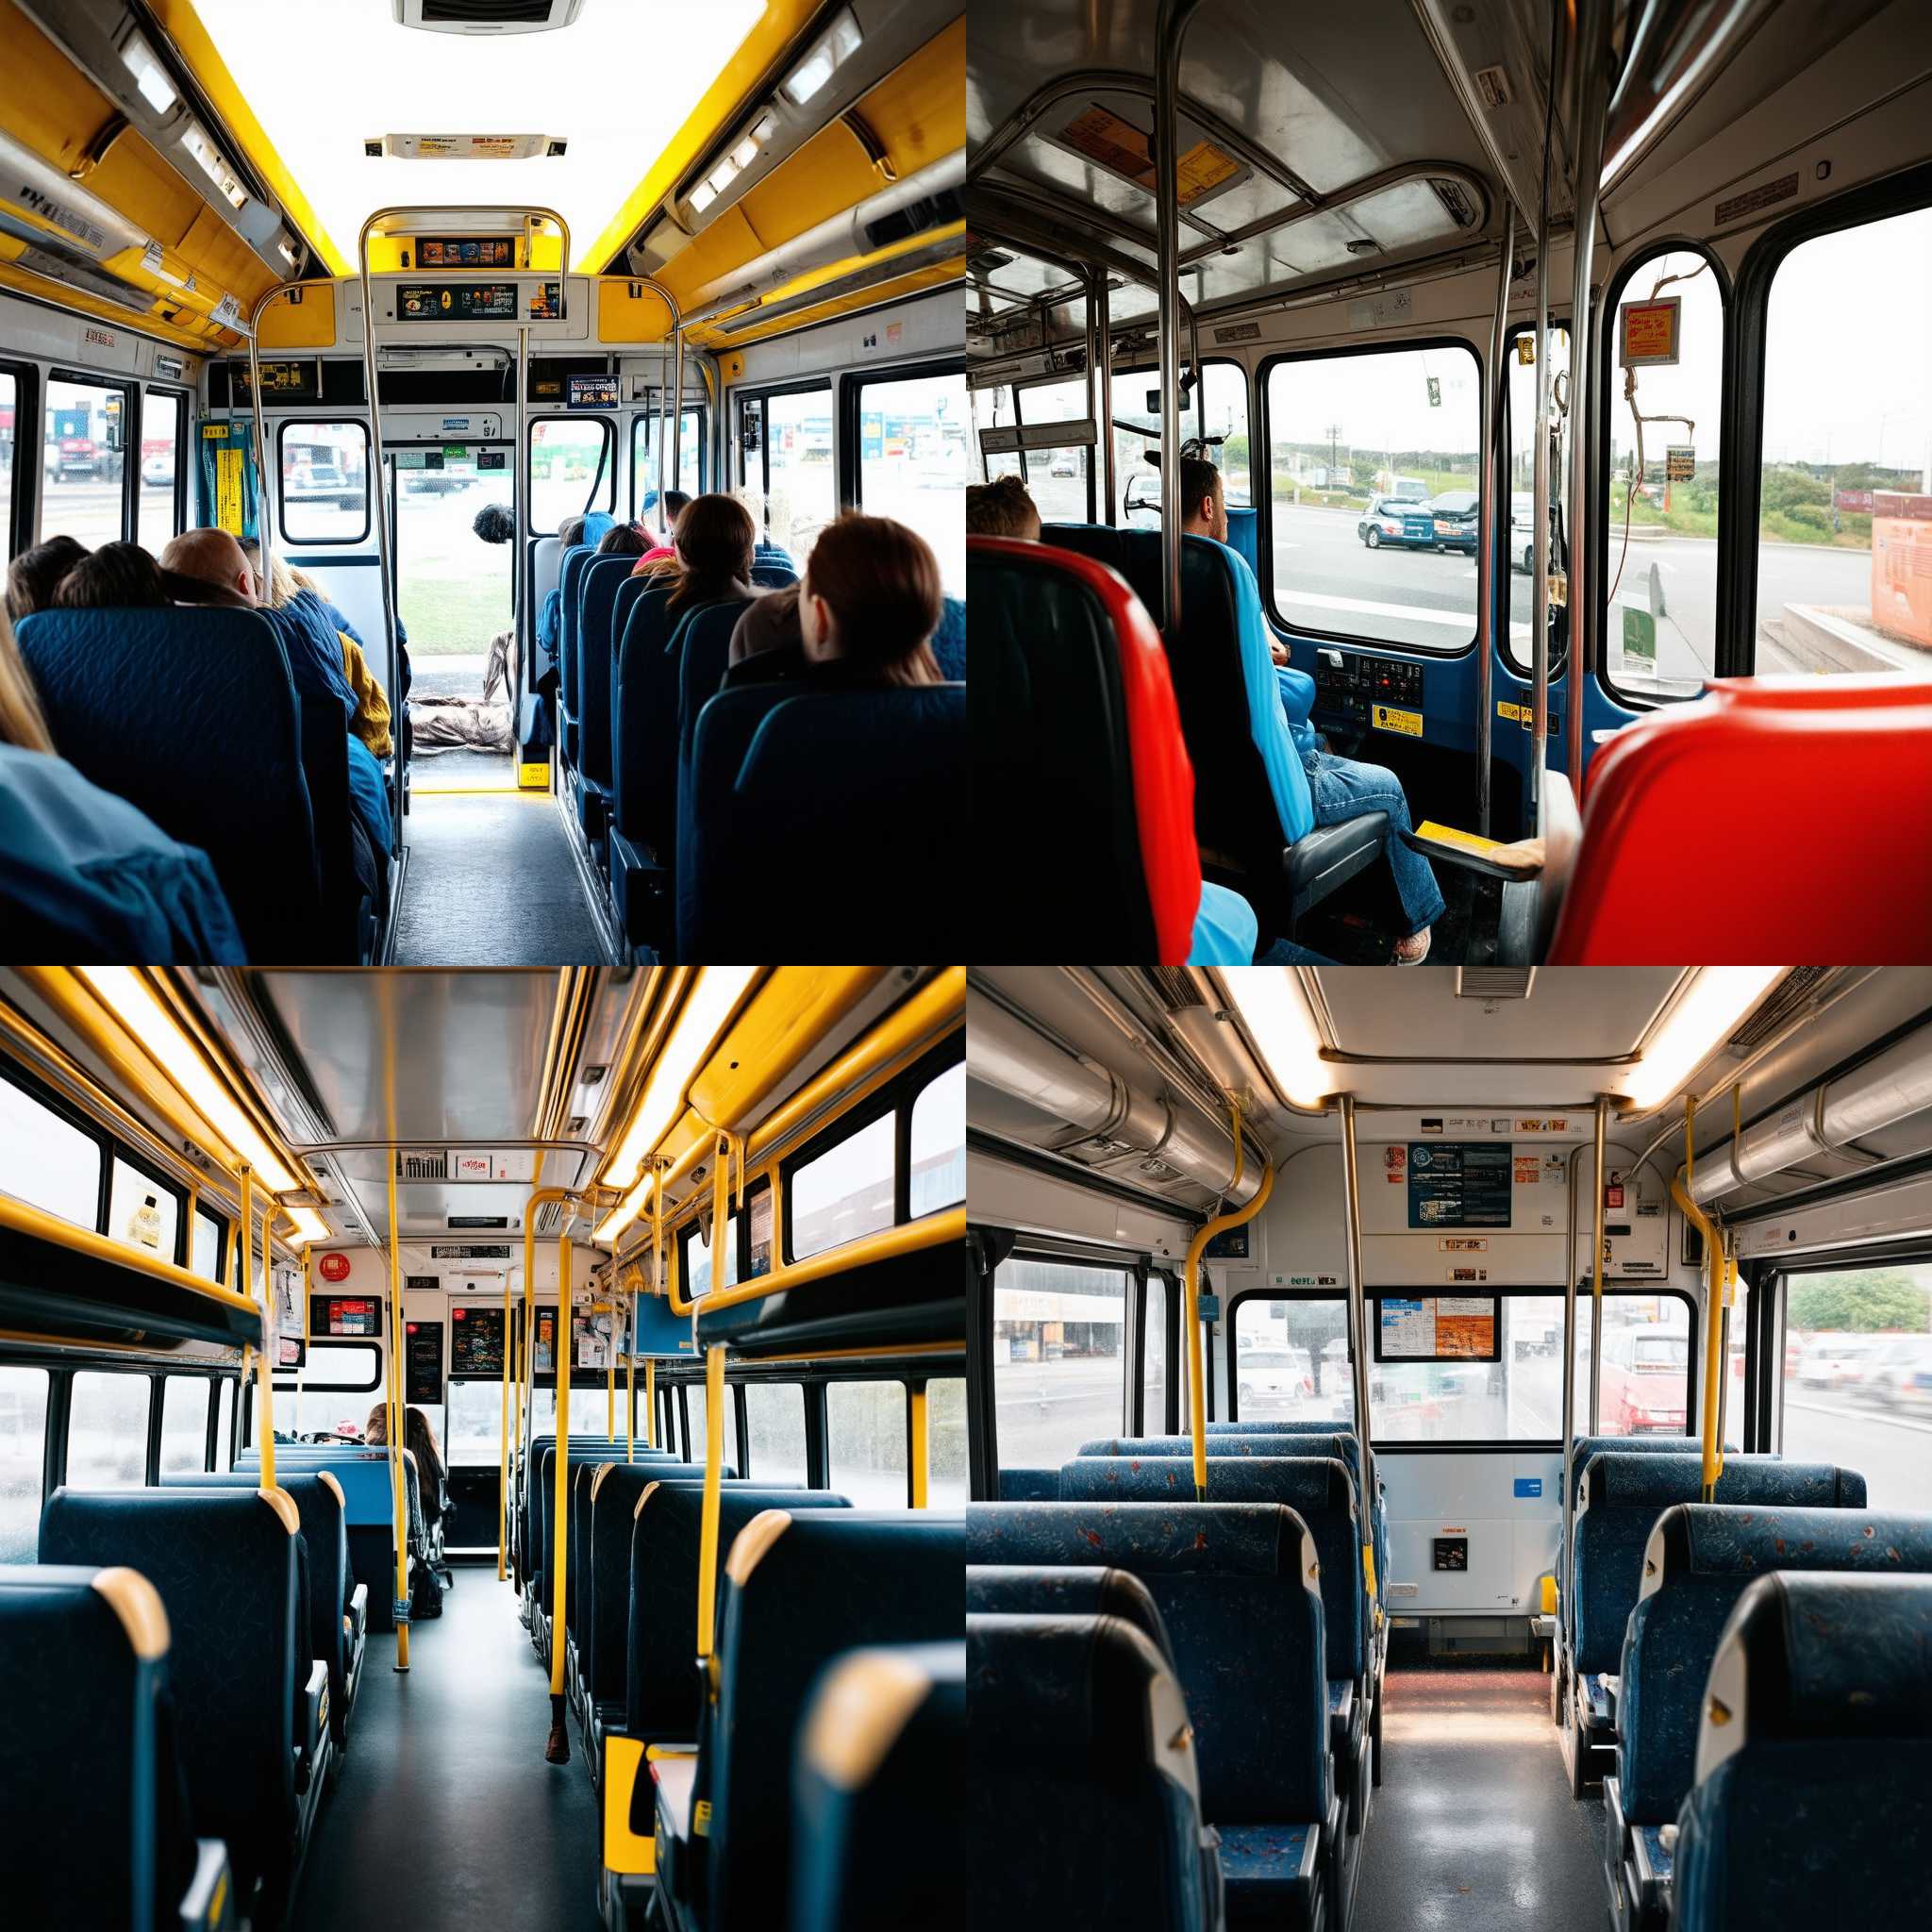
<point x="127" y="995"/>
<point x="1702" y="1019"/>
<point x="701" y="197"/>
<point x="624" y="1213"/>
<point x="309" y="1225"/>
<point x="217" y="170"/>
<point x="150" y="77"/>
<point x="747" y="152"/>
<point x="1278" y="1021"/>
<point x="286" y="252"/>
<point x="842" y="39"/>
<point x="724" y="175"/>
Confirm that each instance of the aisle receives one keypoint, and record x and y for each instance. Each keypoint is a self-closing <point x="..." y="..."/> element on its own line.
<point x="1473" y="1824"/>
<point x="447" y="1819"/>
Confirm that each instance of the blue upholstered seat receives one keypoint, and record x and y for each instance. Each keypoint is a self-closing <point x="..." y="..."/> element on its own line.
<point x="1067" y="1591"/>
<point x="704" y="654"/>
<point x="597" y="591"/>
<point x="615" y="1486"/>
<point x="1699" y="1561"/>
<point x="84" y="1683"/>
<point x="804" y="804"/>
<point x="569" y="698"/>
<point x="799" y="1586"/>
<point x="1082" y="1771"/>
<point x="878" y="1792"/>
<point x="1030" y="1485"/>
<point x="225" y="1562"/>
<point x="1623" y="1496"/>
<point x="1809" y="1800"/>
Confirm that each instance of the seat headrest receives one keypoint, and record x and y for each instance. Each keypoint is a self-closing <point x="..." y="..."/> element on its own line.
<point x="1303" y="1482"/>
<point x="1621" y="1480"/>
<point x="1150" y="1539"/>
<point x="1729" y="1539"/>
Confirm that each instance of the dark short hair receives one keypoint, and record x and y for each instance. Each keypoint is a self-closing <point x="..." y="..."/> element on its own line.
<point x="494" y="524"/>
<point x="1000" y="509"/>
<point x="1198" y="479"/>
<point x="570" y="533"/>
<point x="118" y="577"/>
<point x="676" y="502"/>
<point x="34" y="574"/>
<point x="623" y="540"/>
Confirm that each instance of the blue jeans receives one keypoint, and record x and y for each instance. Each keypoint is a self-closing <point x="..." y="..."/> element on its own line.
<point x="1343" y="790"/>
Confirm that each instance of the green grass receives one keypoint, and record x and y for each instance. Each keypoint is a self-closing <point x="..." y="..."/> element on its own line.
<point x="451" y="617"/>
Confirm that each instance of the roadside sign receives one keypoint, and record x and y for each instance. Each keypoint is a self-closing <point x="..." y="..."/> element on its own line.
<point x="1680" y="462"/>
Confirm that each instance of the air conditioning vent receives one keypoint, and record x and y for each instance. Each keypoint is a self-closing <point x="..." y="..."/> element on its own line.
<point x="1494" y="982"/>
<point x="930" y="211"/>
<point x="486" y="16"/>
<point x="423" y="1167"/>
<point x="552" y="1216"/>
<point x="1796" y="992"/>
<point x="989" y="261"/>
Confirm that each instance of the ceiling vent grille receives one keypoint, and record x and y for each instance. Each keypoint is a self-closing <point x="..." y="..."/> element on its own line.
<point x="1795" y="992"/>
<point x="1494" y="982"/>
<point x="423" y="1167"/>
<point x="486" y="16"/>
<point x="552" y="1216"/>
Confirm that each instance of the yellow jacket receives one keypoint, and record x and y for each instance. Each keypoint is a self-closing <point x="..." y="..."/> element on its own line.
<point x="372" y="720"/>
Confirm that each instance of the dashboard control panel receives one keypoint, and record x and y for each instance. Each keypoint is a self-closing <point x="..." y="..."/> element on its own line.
<point x="1351" y="683"/>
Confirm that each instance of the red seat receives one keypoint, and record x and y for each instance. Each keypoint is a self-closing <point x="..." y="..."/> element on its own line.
<point x="1773" y="819"/>
<point x="1084" y="792"/>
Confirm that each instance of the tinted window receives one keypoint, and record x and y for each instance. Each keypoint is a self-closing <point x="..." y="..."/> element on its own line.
<point x="845" y="1191"/>
<point x="325" y="482"/>
<point x="45" y="1160"/>
<point x="23" y="1443"/>
<point x="106" y="1431"/>
<point x="912" y="461"/>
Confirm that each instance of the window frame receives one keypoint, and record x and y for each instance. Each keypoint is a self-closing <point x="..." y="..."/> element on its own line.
<point x="763" y="394"/>
<point x="644" y="419"/>
<point x="607" y="472"/>
<point x="1135" y="1266"/>
<point x="1249" y="378"/>
<point x="64" y="1109"/>
<point x="1506" y="1291"/>
<point x="1047" y="379"/>
<point x="1740" y="445"/>
<point x="150" y="1436"/>
<point x="1264" y="500"/>
<point x="282" y="428"/>
<point x="318" y="1346"/>
<point x="851" y="412"/>
<point x="130" y="386"/>
<point x="23" y="504"/>
<point x="185" y="399"/>
<point x="1644" y="702"/>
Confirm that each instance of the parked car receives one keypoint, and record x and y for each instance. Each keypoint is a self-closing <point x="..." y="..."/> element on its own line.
<point x="313" y="473"/>
<point x="157" y="471"/>
<point x="1645" y="1374"/>
<point x="1396" y="520"/>
<point x="1456" y="513"/>
<point x="1066" y="462"/>
<point x="1899" y="1374"/>
<point x="1836" y="1361"/>
<point x="1280" y="1371"/>
<point x="1523" y="533"/>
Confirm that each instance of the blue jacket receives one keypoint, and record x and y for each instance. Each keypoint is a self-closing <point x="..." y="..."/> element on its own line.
<point x="403" y="673"/>
<point x="315" y="662"/>
<point x="86" y="877"/>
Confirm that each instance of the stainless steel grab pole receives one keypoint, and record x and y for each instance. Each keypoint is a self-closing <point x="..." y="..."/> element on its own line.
<point x="1495" y="495"/>
<point x="1171" y="26"/>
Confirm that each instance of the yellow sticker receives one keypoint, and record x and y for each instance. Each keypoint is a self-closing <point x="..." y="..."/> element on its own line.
<point x="1514" y="714"/>
<point x="1410" y="723"/>
<point x="1449" y="835"/>
<point x="217" y="1899"/>
<point x="533" y="777"/>
<point x="700" y="1819"/>
<point x="216" y="432"/>
<point x="228" y="491"/>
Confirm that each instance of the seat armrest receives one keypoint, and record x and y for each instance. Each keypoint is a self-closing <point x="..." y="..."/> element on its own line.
<point x="359" y="1610"/>
<point x="314" y="1708"/>
<point x="209" y="1904"/>
<point x="1446" y="846"/>
<point x="1340" y="1713"/>
<point x="1329" y="855"/>
<point x="625" y="1852"/>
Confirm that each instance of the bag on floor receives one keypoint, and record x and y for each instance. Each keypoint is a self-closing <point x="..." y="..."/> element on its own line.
<point x="425" y="1594"/>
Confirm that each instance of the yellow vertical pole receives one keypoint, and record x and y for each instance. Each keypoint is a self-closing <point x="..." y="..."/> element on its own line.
<point x="264" y="1356"/>
<point x="503" y="1448"/>
<point x="650" y="1402"/>
<point x="394" y="1393"/>
<point x="301" y="1365"/>
<point x="707" y="1520"/>
<point x="630" y="1371"/>
<point x="920" y="1447"/>
<point x="557" y="1750"/>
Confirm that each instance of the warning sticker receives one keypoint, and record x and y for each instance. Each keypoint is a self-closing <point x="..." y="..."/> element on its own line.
<point x="1202" y="169"/>
<point x="1408" y="724"/>
<point x="228" y="491"/>
<point x="1465" y="1274"/>
<point x="1647" y="332"/>
<point x="1463" y="1244"/>
<point x="1102" y="136"/>
<point x="1528" y="1171"/>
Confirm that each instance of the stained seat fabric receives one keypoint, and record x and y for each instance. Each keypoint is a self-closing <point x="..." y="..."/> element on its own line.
<point x="80" y="1848"/>
<point x="795" y="1593"/>
<point x="838" y="816"/>
<point x="1623" y="1496"/>
<point x="1041" y="1590"/>
<point x="136" y="699"/>
<point x="1699" y="1559"/>
<point x="1810" y="1792"/>
<point x="878" y="1793"/>
<point x="225" y="1565"/>
<point x="1081" y="1770"/>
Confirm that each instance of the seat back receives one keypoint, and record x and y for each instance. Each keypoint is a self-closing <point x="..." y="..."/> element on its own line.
<point x="1082" y="1768"/>
<point x="368" y="1510"/>
<point x="702" y="651"/>
<point x="1623" y="1496"/>
<point x="800" y="1586"/>
<point x="805" y="807"/>
<point x="661" y="1689"/>
<point x="644" y="723"/>
<point x="879" y="1789"/>
<point x="597" y="591"/>
<point x="191" y="714"/>
<point x="1743" y="739"/>
<point x="84" y="1683"/>
<point x="319" y="1504"/>
<point x="576" y="560"/>
<point x="1810" y="1777"/>
<point x="224" y="1564"/>
<point x="605" y="1616"/>
<point x="1082" y="786"/>
<point x="1041" y="1590"/>
<point x="542" y="1497"/>
<point x="1318" y="1489"/>
<point x="1699" y="1559"/>
<point x="1238" y="1586"/>
<point x="948" y="642"/>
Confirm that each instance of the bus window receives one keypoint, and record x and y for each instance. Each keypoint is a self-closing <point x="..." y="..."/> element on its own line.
<point x="938" y="1142"/>
<point x="206" y="1257"/>
<point x="1215" y="408"/>
<point x="789" y="476"/>
<point x="1660" y="637"/>
<point x="106" y="1431"/>
<point x="946" y="1444"/>
<point x="339" y="1385"/>
<point x="569" y="470"/>
<point x="1057" y="1358"/>
<point x="844" y="1193"/>
<point x="866" y="1440"/>
<point x="912" y="461"/>
<point x="143" y="1211"/>
<point x="1221" y="410"/>
<point x="325" y="482"/>
<point x="697" y="1258"/>
<point x="1858" y="1376"/>
<point x="47" y="1161"/>
<point x="695" y="1444"/>
<point x="1154" y="1357"/>
<point x="225" y="1424"/>
<point x="644" y="431"/>
<point x="453" y="594"/>
<point x="774" y="1430"/>
<point x="1373" y="460"/>
<point x="1056" y="478"/>
<point x="162" y="422"/>
<point x="23" y="1442"/>
<point x="81" y="457"/>
<point x="475" y="1423"/>
<point x="184" y="1423"/>
<point x="992" y="408"/>
<point x="10" y="450"/>
<point x="1845" y="510"/>
<point x="1517" y="585"/>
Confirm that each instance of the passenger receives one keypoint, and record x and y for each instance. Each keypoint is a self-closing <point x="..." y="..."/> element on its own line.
<point x="315" y="663"/>
<point x="421" y="1439"/>
<point x="34" y="575"/>
<point x="371" y="723"/>
<point x="1001" y="509"/>
<point x="495" y="525"/>
<point x="117" y="576"/>
<point x="1339" y="787"/>
<point x="85" y="876"/>
<point x="624" y="540"/>
<point x="587" y="528"/>
<point x="662" y="554"/>
<point x="376" y="1436"/>
<point x="715" y="542"/>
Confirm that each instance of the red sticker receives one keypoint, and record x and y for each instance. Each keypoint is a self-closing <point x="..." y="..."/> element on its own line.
<point x="334" y="1267"/>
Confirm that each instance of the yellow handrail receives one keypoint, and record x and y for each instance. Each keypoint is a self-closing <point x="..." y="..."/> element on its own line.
<point x="707" y="1519"/>
<point x="650" y="1402"/>
<point x="1197" y="1376"/>
<point x="503" y="1448"/>
<point x="1714" y="1262"/>
<point x="556" y="1751"/>
<point x="942" y="1229"/>
<point x="921" y="1446"/>
<point x="393" y="1393"/>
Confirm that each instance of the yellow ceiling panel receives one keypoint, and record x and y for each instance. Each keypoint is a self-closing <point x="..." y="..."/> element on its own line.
<point x="918" y="110"/>
<point x="937" y="277"/>
<point x="831" y="172"/>
<point x="726" y="244"/>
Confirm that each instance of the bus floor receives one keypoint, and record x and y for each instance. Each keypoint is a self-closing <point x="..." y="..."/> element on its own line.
<point x="491" y="881"/>
<point x="1358" y="926"/>
<point x="1473" y="1824"/>
<point x="446" y="1818"/>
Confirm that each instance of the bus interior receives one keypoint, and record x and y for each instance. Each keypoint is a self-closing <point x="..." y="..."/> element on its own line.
<point x="1652" y="276"/>
<point x="336" y="1591"/>
<point x="742" y="220"/>
<point x="1333" y="1677"/>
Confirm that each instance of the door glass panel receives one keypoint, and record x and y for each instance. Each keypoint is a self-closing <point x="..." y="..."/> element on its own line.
<point x="161" y="457"/>
<point x="82" y="457"/>
<point x="325" y="482"/>
<point x="453" y="590"/>
<point x="912" y="463"/>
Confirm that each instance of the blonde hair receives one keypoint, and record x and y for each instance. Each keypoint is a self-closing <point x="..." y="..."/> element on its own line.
<point x="23" y="722"/>
<point x="285" y="582"/>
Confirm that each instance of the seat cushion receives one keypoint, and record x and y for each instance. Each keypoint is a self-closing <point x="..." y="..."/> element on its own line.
<point x="1269" y="1871"/>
